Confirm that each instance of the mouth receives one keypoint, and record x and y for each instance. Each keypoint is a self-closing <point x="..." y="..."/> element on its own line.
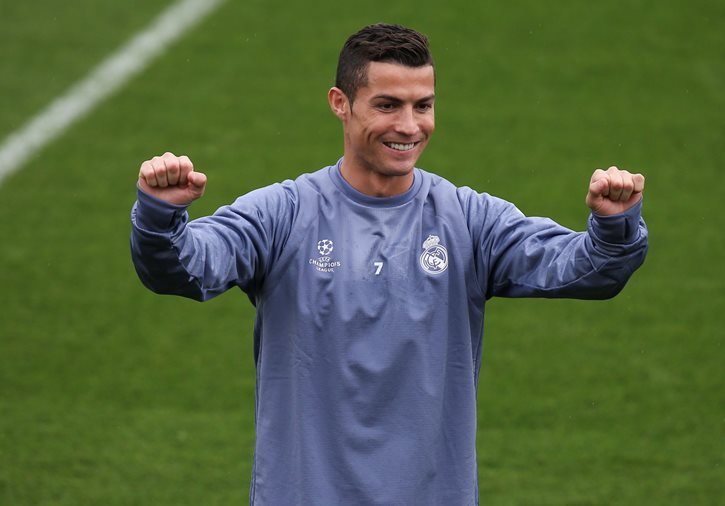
<point x="397" y="146"/>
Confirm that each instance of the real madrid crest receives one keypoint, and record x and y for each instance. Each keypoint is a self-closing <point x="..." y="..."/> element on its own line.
<point x="434" y="259"/>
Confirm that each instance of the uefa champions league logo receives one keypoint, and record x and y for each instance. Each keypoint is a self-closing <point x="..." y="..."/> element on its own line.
<point x="325" y="263"/>
<point x="434" y="259"/>
<point x="325" y="247"/>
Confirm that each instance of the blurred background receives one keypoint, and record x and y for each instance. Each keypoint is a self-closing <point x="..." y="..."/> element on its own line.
<point x="112" y="395"/>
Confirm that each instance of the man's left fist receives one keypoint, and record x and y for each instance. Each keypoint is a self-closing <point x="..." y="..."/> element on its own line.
<point x="614" y="191"/>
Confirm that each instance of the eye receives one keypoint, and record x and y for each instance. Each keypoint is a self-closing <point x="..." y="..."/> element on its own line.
<point x="424" y="107"/>
<point x="386" y="106"/>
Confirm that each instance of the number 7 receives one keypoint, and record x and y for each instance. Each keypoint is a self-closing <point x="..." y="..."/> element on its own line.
<point x="378" y="267"/>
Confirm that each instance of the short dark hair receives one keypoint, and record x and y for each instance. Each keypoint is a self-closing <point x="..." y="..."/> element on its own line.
<point x="382" y="43"/>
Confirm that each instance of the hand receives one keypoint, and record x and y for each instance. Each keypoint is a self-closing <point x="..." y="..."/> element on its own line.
<point x="614" y="191"/>
<point x="171" y="178"/>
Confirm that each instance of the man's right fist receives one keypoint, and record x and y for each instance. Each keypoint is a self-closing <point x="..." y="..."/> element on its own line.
<point x="171" y="178"/>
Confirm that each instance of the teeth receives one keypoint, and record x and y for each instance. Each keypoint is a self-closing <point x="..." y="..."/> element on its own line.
<point x="400" y="147"/>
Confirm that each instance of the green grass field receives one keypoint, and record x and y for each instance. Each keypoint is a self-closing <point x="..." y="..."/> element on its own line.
<point x="111" y="395"/>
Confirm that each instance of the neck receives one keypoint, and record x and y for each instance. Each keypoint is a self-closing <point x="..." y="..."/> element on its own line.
<point x="375" y="184"/>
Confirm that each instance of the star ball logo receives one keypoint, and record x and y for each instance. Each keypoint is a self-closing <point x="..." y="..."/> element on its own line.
<point x="325" y="247"/>
<point x="325" y="263"/>
<point x="434" y="259"/>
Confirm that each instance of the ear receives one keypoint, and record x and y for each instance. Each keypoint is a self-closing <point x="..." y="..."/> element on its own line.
<point x="339" y="103"/>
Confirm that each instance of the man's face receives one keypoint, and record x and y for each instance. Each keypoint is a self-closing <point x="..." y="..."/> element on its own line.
<point x="391" y="119"/>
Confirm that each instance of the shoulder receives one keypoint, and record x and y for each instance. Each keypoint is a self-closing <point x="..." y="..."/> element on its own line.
<point x="287" y="192"/>
<point x="318" y="181"/>
<point x="472" y="203"/>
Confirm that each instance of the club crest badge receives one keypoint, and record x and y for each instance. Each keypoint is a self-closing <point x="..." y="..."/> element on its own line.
<point x="434" y="259"/>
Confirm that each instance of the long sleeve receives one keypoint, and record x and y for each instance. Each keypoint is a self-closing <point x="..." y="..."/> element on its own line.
<point x="200" y="259"/>
<point x="519" y="256"/>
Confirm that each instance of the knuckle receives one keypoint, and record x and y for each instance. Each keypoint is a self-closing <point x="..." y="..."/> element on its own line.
<point x="186" y="162"/>
<point x="172" y="165"/>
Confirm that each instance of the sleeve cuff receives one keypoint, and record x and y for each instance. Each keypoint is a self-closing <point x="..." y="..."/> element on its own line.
<point x="155" y="214"/>
<point x="620" y="228"/>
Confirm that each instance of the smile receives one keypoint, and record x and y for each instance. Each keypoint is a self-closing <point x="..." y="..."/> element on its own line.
<point x="401" y="147"/>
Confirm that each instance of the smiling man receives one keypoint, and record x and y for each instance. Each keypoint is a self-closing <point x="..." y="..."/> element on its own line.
<point x="370" y="278"/>
<point x="386" y="123"/>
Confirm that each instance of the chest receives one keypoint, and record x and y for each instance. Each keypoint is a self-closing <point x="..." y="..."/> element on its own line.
<point x="379" y="260"/>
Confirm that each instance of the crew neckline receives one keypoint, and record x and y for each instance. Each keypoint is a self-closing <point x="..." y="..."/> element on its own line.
<point x="369" y="200"/>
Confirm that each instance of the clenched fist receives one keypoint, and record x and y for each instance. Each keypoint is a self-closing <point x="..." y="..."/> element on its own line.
<point x="171" y="178"/>
<point x="614" y="191"/>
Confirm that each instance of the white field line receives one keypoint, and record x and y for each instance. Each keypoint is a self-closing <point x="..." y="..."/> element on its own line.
<point x="110" y="75"/>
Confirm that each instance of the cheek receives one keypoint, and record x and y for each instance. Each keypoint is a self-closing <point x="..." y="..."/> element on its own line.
<point x="368" y="128"/>
<point x="371" y="130"/>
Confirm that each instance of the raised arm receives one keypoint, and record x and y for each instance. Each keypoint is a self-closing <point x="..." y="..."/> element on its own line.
<point x="207" y="256"/>
<point x="520" y="256"/>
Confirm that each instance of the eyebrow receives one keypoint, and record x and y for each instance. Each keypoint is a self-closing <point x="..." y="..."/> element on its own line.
<point x="396" y="99"/>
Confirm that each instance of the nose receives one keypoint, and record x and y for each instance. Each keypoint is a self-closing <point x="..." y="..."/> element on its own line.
<point x="406" y="123"/>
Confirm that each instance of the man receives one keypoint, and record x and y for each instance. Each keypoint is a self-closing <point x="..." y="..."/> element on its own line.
<point x="369" y="278"/>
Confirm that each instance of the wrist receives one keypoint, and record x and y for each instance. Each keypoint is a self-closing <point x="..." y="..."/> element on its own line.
<point x="154" y="213"/>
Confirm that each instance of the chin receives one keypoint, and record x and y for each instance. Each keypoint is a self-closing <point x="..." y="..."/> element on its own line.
<point x="394" y="172"/>
<point x="398" y="167"/>
<point x="387" y="167"/>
